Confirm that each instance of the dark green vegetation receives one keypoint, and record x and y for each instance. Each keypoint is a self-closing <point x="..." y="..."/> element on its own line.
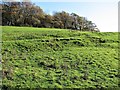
<point x="28" y="14"/>
<point x="56" y="58"/>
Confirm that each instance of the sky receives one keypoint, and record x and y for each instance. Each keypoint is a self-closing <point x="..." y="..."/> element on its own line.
<point x="104" y="13"/>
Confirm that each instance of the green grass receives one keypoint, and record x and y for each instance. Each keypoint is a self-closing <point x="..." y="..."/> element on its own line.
<point x="59" y="58"/>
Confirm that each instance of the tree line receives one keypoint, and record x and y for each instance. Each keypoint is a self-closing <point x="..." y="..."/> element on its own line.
<point x="28" y="14"/>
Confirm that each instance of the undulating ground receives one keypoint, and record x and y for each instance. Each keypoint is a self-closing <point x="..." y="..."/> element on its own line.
<point x="59" y="58"/>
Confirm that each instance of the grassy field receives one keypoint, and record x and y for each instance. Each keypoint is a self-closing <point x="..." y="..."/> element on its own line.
<point x="57" y="58"/>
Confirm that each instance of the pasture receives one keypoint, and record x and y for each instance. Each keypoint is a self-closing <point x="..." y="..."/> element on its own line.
<point x="58" y="58"/>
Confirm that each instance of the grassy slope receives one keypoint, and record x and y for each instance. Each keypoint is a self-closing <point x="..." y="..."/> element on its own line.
<point x="45" y="58"/>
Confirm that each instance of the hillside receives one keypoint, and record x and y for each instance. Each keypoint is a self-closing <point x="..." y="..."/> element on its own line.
<point x="59" y="58"/>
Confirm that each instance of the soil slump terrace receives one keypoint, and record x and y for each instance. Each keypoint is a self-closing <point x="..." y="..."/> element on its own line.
<point x="59" y="58"/>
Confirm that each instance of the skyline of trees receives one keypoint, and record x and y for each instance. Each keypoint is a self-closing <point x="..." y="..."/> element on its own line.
<point x="28" y="14"/>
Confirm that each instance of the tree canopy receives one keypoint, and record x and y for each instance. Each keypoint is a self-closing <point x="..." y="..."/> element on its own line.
<point x="28" y="14"/>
